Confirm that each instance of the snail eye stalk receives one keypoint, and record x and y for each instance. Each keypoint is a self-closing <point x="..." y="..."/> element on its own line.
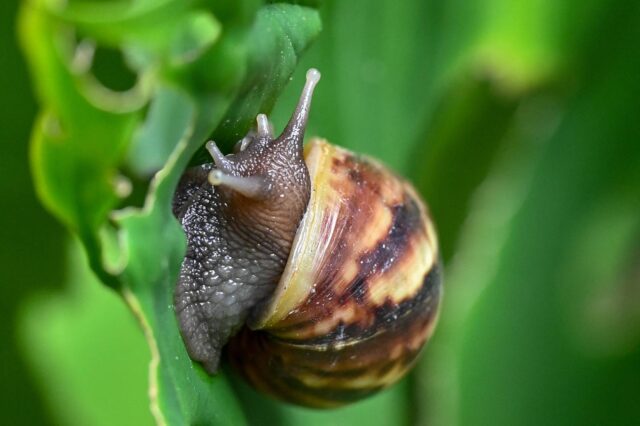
<point x="256" y="187"/>
<point x="298" y="121"/>
<point x="265" y="128"/>
<point x="221" y="162"/>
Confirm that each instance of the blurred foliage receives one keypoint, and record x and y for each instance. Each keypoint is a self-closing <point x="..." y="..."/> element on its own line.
<point x="31" y="255"/>
<point x="518" y="121"/>
<point x="94" y="343"/>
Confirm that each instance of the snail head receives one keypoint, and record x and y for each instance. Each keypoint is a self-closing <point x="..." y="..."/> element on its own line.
<point x="261" y="161"/>
<point x="265" y="172"/>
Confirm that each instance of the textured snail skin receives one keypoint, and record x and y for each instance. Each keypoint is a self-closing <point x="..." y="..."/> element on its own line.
<point x="238" y="244"/>
<point x="359" y="296"/>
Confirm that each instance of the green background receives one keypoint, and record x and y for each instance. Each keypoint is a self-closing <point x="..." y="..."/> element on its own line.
<point x="518" y="121"/>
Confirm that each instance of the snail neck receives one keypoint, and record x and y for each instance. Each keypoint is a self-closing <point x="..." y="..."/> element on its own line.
<point x="266" y="228"/>
<point x="236" y="252"/>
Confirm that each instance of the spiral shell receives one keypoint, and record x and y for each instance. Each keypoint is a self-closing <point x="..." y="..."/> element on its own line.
<point x="359" y="296"/>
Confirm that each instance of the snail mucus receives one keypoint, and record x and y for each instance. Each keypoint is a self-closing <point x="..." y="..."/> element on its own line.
<point x="318" y="269"/>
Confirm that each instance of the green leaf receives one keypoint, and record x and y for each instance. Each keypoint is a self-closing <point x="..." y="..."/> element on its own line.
<point x="266" y="77"/>
<point x="77" y="141"/>
<point x="155" y="244"/>
<point x="191" y="85"/>
<point x="153" y="32"/>
<point x="169" y="115"/>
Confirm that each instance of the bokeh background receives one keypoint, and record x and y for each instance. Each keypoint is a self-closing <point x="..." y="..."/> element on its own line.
<point x="518" y="121"/>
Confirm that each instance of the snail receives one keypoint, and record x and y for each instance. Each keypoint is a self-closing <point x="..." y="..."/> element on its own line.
<point x="316" y="268"/>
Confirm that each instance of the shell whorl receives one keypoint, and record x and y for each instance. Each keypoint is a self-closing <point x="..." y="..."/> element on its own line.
<point x="359" y="295"/>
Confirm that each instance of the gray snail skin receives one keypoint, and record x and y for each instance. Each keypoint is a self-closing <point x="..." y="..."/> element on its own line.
<point x="317" y="268"/>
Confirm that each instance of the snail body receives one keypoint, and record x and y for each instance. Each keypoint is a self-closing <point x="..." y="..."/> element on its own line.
<point x="352" y="283"/>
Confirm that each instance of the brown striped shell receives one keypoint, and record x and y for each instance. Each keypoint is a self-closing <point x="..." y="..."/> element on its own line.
<point x="359" y="296"/>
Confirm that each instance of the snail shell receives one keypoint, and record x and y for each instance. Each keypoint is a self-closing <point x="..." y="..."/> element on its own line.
<point x="360" y="292"/>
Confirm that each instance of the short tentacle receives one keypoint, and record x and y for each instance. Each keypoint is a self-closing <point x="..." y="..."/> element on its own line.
<point x="219" y="159"/>
<point x="243" y="143"/>
<point x="265" y="128"/>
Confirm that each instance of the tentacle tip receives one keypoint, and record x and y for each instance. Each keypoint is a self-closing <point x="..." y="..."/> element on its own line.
<point x="294" y="132"/>
<point x="216" y="177"/>
<point x="313" y="76"/>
